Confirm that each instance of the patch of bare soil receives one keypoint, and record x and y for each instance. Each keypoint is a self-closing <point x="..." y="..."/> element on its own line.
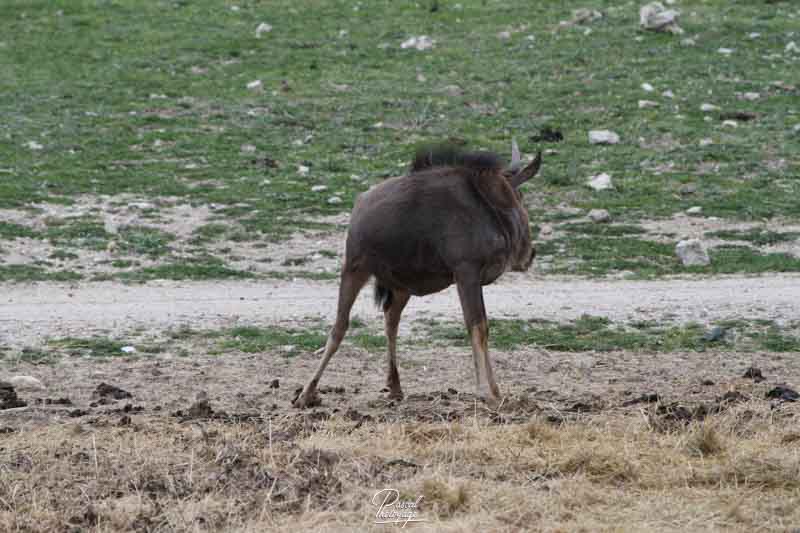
<point x="583" y="441"/>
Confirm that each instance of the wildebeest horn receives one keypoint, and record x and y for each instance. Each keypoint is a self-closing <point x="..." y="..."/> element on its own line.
<point x="516" y="160"/>
<point x="526" y="173"/>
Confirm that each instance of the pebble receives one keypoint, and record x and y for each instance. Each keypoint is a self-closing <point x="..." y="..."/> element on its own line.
<point x="600" y="182"/>
<point x="647" y="87"/>
<point x="603" y="137"/>
<point x="319" y="188"/>
<point x="692" y="252"/>
<point x="599" y="215"/>
<point x="253" y="85"/>
<point x="333" y="200"/>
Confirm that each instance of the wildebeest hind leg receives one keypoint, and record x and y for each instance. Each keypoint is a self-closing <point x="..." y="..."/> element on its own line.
<point x="391" y="317"/>
<point x="471" y="296"/>
<point x="351" y="284"/>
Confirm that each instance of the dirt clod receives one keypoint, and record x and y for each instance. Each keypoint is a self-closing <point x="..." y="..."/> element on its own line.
<point x="644" y="398"/>
<point x="104" y="390"/>
<point x="274" y="384"/>
<point x="754" y="374"/>
<point x="783" y="393"/>
<point x="8" y="397"/>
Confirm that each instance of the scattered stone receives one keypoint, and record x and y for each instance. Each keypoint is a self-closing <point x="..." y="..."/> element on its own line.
<point x="33" y="145"/>
<point x="254" y="85"/>
<point x="302" y="170"/>
<point x="730" y="124"/>
<point x="644" y="104"/>
<point x="8" y="397"/>
<point x="692" y="252"/>
<point x="581" y="16"/>
<point x="26" y="382"/>
<point x="796" y="128"/>
<point x="655" y="17"/>
<point x="668" y="94"/>
<point x="707" y="383"/>
<point x="452" y="90"/>
<point x="263" y="28"/>
<point x="792" y="47"/>
<point x="334" y="200"/>
<point x="707" y="108"/>
<point x="319" y="188"/>
<point x="504" y="35"/>
<point x="275" y="384"/>
<point x="706" y="142"/>
<point x="715" y="334"/>
<point x="696" y="210"/>
<point x="646" y="87"/>
<point x="784" y="393"/>
<point x="603" y="137"/>
<point x="689" y="41"/>
<point x="422" y="42"/>
<point x="754" y="374"/>
<point x="599" y="215"/>
<point x="104" y="390"/>
<point x="128" y="349"/>
<point x="689" y="188"/>
<point x="725" y="51"/>
<point x="600" y="182"/>
<point x="754" y="35"/>
<point x="247" y="148"/>
<point x="751" y="96"/>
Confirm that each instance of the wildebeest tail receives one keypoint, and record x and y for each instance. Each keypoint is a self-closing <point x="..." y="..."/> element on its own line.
<point x="383" y="296"/>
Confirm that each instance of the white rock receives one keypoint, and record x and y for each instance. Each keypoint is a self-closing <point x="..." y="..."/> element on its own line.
<point x="644" y="104"/>
<point x="730" y="124"/>
<point x="707" y="108"/>
<point x="319" y="188"/>
<point x="792" y="47"/>
<point x="647" y="87"/>
<point x="154" y="96"/>
<point x="796" y="128"/>
<point x="247" y="148"/>
<point x="599" y="215"/>
<point x="253" y="85"/>
<point x="688" y="42"/>
<point x="654" y="16"/>
<point x="302" y="170"/>
<point x="603" y="137"/>
<point x="127" y="349"/>
<point x="668" y="94"/>
<point x="600" y="182"/>
<point x="33" y="145"/>
<point x="725" y="51"/>
<point x="333" y="200"/>
<point x="706" y="142"/>
<point x="696" y="210"/>
<point x="754" y="35"/>
<point x="263" y="28"/>
<point x="692" y="252"/>
<point x="26" y="382"/>
<point x="422" y="42"/>
<point x="751" y="96"/>
<point x="504" y="35"/>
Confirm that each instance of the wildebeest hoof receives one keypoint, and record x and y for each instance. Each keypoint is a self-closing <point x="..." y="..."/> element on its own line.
<point x="305" y="400"/>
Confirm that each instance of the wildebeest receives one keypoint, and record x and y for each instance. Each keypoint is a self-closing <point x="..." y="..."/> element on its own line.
<point x="457" y="216"/>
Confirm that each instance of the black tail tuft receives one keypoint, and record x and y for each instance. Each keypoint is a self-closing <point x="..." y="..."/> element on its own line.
<point x="383" y="297"/>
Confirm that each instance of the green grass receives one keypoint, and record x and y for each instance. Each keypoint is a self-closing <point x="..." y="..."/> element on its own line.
<point x="151" y="98"/>
<point x="252" y="339"/>
<point x="24" y="273"/>
<point x="203" y="268"/>
<point x="592" y="333"/>
<point x="143" y="240"/>
<point x="757" y="236"/>
<point x="10" y="230"/>
<point x="91" y="346"/>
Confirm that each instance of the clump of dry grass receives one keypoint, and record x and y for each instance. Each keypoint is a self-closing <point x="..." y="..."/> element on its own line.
<point x="595" y="473"/>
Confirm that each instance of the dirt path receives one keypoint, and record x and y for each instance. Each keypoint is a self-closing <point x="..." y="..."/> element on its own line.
<point x="31" y="313"/>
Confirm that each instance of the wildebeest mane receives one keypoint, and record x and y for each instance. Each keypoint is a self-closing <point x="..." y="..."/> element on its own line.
<point x="449" y="155"/>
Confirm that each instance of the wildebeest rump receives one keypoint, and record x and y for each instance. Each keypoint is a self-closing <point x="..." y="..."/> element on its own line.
<point x="456" y="217"/>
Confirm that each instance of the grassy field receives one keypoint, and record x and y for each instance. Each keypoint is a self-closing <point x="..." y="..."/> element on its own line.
<point x="148" y="103"/>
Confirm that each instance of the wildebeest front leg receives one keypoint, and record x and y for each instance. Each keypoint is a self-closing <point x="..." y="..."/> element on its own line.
<point x="392" y="321"/>
<point x="350" y="286"/>
<point x="471" y="294"/>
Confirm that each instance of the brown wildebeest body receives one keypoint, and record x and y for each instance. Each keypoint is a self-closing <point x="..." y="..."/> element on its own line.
<point x="456" y="218"/>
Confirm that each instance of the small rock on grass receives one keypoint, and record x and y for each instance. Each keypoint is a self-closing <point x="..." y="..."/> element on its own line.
<point x="263" y="28"/>
<point x="599" y="215"/>
<point x="707" y="108"/>
<point x="603" y="137"/>
<point x="600" y="182"/>
<point x="644" y="104"/>
<point x="696" y="210"/>
<point x="655" y="17"/>
<point x="104" y="390"/>
<point x="692" y="252"/>
<point x="754" y="374"/>
<point x="782" y="392"/>
<point x="333" y="200"/>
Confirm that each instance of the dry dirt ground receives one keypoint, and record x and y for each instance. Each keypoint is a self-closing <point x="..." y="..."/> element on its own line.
<point x="616" y="441"/>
